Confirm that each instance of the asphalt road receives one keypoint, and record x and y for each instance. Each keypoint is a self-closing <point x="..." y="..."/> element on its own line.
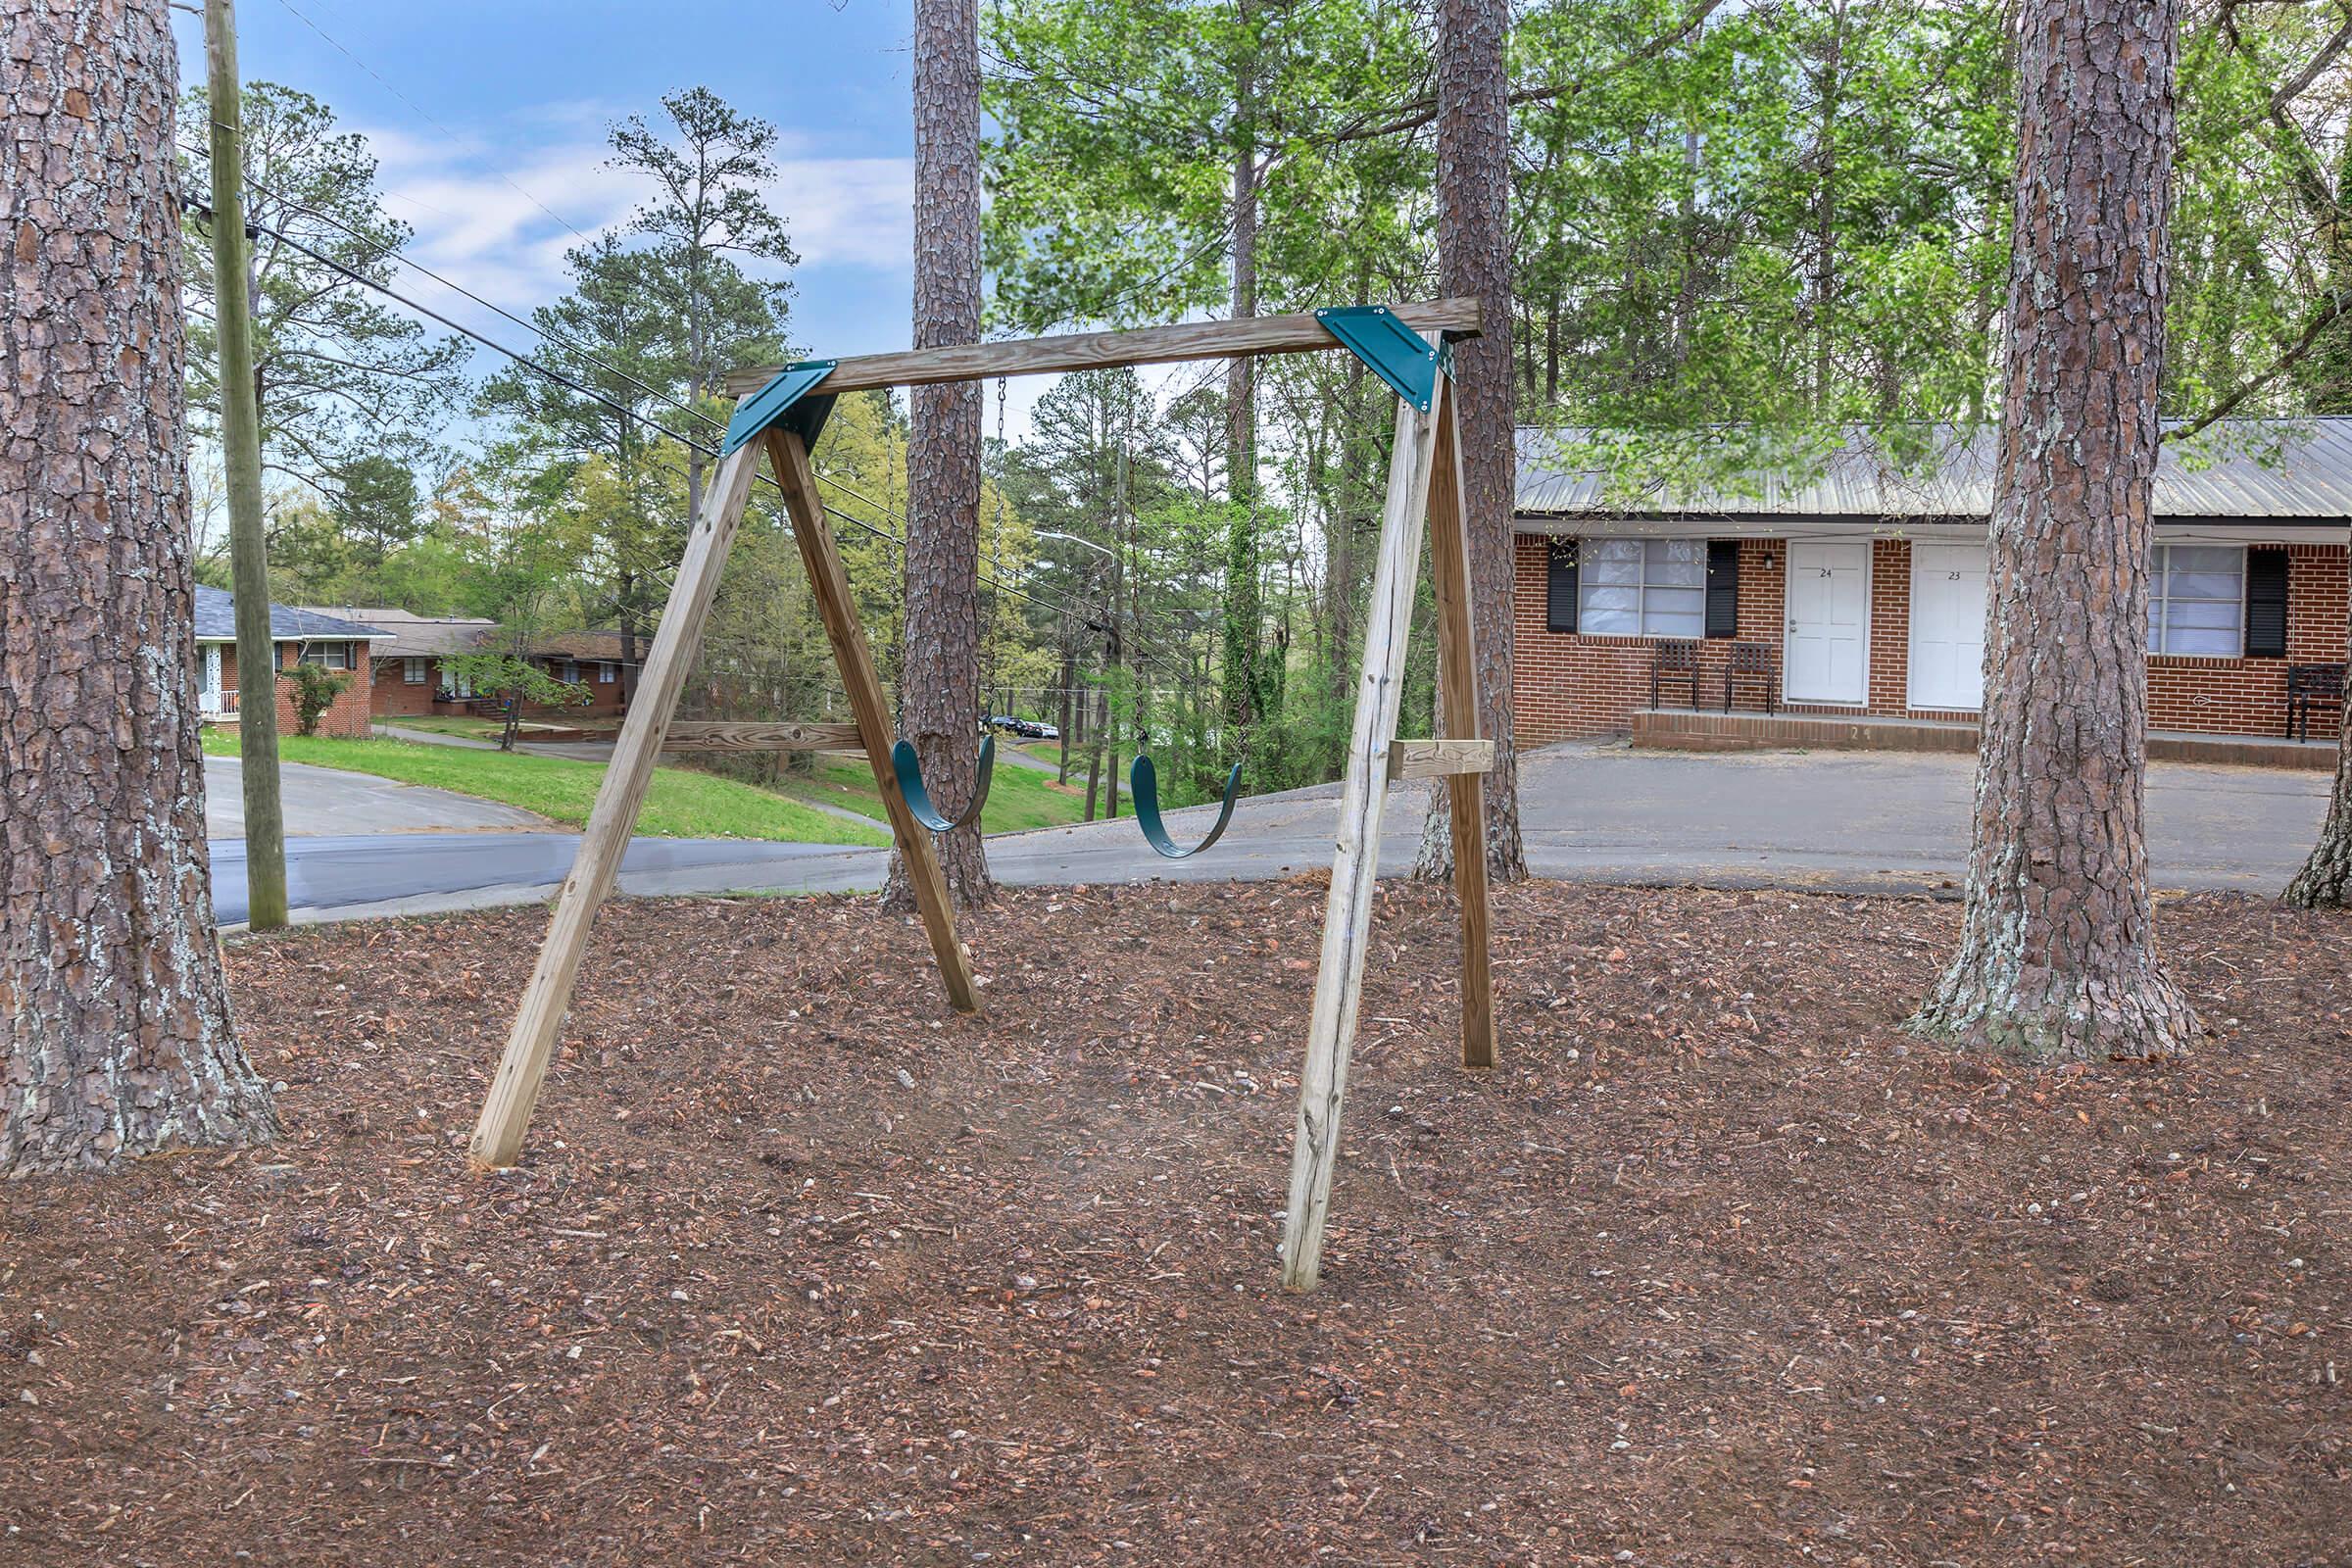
<point x="318" y="801"/>
<point x="1844" y="821"/>
<point x="327" y="878"/>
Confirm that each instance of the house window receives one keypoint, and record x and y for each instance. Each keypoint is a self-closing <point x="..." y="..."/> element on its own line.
<point x="607" y="675"/>
<point x="2196" y="600"/>
<point x="571" y="670"/>
<point x="414" y="671"/>
<point x="460" y="687"/>
<point x="1643" y="588"/>
<point x="328" y="655"/>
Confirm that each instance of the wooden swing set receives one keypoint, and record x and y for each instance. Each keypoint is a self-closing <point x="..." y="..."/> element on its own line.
<point x="780" y="413"/>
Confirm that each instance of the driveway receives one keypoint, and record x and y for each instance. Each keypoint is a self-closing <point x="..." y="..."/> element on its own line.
<point x="325" y="800"/>
<point x="1850" y="821"/>
<point x="398" y="874"/>
<point x="1840" y="821"/>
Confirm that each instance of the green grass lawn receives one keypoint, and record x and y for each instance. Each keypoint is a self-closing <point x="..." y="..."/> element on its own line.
<point x="1018" y="799"/>
<point x="680" y="805"/>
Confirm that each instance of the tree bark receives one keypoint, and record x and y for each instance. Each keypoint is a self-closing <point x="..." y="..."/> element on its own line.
<point x="1473" y="258"/>
<point x="1244" y="609"/>
<point x="2057" y="954"/>
<point x="938" y="681"/>
<point x="114" y="1034"/>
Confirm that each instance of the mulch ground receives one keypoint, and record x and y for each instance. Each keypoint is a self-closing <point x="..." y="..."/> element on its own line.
<point x="1718" y="1267"/>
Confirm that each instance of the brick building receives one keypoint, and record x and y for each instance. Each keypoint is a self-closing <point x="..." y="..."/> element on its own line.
<point x="412" y="676"/>
<point x="600" y="663"/>
<point x="299" y="636"/>
<point x="1862" y="591"/>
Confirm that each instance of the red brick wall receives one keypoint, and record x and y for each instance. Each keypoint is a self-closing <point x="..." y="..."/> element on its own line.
<point x="1567" y="686"/>
<point x="2248" y="696"/>
<point x="347" y="717"/>
<point x="395" y="698"/>
<point x="604" y="697"/>
<point x="1890" y="624"/>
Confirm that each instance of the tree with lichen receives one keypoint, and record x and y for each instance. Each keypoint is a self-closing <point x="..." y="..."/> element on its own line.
<point x="2057" y="954"/>
<point x="939" y="682"/>
<point x="114" y="1032"/>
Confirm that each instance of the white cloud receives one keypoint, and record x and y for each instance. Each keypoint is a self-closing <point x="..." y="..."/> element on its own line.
<point x="497" y="216"/>
<point x="854" y="212"/>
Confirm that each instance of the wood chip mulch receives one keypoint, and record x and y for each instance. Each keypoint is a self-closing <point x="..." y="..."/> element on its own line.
<point x="1718" y="1267"/>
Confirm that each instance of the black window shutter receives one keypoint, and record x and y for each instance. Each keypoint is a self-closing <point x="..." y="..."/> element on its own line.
<point x="2266" y="604"/>
<point x="1559" y="599"/>
<point x="1723" y="588"/>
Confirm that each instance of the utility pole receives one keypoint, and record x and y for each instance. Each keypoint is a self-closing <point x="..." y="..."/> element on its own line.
<point x="241" y="450"/>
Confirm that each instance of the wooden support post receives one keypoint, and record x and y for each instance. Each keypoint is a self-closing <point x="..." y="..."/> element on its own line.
<point x="1356" y="865"/>
<point x="830" y="585"/>
<point x="1457" y="686"/>
<point x="241" y="456"/>
<point x="507" y="1109"/>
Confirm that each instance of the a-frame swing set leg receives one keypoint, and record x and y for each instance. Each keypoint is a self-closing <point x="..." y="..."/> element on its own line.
<point x="507" y="1109"/>
<point x="830" y="583"/>
<point x="1422" y="447"/>
<point x="1457" y="718"/>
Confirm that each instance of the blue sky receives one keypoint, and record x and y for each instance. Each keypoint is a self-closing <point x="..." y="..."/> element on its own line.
<point x="486" y="112"/>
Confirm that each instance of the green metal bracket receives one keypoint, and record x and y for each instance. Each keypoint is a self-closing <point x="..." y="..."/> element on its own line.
<point x="909" y="769"/>
<point x="1393" y="351"/>
<point x="778" y="398"/>
<point x="1142" y="785"/>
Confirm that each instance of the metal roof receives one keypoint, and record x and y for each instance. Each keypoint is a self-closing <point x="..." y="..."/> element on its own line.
<point x="2298" y="470"/>
<point x="217" y="622"/>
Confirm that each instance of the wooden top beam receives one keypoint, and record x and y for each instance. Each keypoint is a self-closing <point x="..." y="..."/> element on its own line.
<point x="1096" y="351"/>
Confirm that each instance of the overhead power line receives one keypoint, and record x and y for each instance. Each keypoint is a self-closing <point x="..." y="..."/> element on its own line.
<point x="548" y="334"/>
<point x="527" y="361"/>
<point x="450" y="135"/>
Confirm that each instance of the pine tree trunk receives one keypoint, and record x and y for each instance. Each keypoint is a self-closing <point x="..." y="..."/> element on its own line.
<point x="115" y="1035"/>
<point x="1244" y="610"/>
<point x="1473" y="258"/>
<point x="939" y="684"/>
<point x="2057" y="953"/>
<point x="2325" y="880"/>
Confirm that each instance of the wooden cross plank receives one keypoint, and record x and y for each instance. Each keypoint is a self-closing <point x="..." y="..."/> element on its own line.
<point x="829" y="583"/>
<point x="1457" y="687"/>
<point x="730" y="735"/>
<point x="515" y="1089"/>
<point x="1355" y="864"/>
<point x="1439" y="759"/>
<point x="1096" y="351"/>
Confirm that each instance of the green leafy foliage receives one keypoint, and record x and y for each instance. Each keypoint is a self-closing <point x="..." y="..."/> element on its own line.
<point x="315" y="688"/>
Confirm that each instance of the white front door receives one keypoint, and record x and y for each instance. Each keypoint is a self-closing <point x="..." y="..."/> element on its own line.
<point x="1948" y="626"/>
<point x="1828" y="657"/>
<point x="207" y="698"/>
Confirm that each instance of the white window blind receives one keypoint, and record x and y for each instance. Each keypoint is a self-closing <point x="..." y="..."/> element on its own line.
<point x="2197" y="600"/>
<point x="1643" y="588"/>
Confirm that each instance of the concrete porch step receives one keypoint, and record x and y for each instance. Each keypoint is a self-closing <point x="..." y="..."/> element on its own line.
<point x="1680" y="729"/>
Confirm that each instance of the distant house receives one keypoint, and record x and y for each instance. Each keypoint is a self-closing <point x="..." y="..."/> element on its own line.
<point x="412" y="678"/>
<point x="595" y="660"/>
<point x="1862" y="591"/>
<point x="300" y="636"/>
